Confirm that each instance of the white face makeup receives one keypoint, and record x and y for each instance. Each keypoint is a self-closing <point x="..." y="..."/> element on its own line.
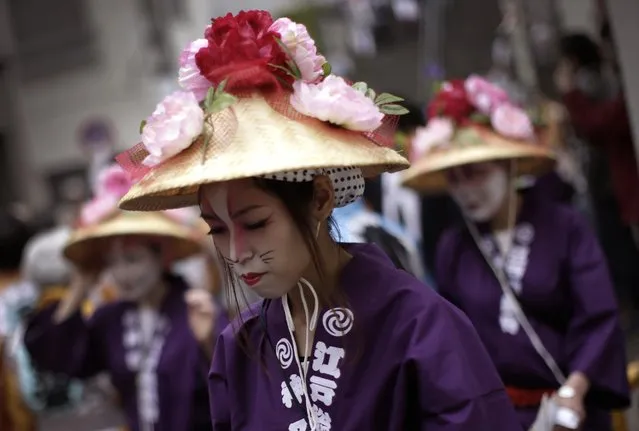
<point x="136" y="268"/>
<point x="479" y="189"/>
<point x="256" y="236"/>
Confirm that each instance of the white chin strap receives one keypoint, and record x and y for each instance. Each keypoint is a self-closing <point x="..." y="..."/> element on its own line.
<point x="348" y="182"/>
<point x="311" y="324"/>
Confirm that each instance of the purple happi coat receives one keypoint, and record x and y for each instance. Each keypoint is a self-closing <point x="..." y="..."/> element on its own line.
<point x="394" y="356"/>
<point x="175" y="389"/>
<point x="558" y="271"/>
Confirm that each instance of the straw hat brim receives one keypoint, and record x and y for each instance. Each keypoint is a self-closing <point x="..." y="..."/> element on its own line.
<point x="262" y="141"/>
<point x="428" y="174"/>
<point x="86" y="246"/>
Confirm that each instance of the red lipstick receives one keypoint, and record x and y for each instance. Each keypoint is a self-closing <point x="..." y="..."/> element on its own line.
<point x="252" y="278"/>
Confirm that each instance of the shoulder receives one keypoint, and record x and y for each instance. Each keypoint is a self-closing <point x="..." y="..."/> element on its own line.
<point x="247" y="324"/>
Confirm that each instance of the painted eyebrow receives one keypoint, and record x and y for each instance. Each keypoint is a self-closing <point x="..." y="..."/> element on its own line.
<point x="236" y="214"/>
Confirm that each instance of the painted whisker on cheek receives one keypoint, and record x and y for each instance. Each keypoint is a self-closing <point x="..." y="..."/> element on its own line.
<point x="266" y="257"/>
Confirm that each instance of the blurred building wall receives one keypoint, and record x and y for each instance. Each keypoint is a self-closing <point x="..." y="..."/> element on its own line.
<point x="121" y="88"/>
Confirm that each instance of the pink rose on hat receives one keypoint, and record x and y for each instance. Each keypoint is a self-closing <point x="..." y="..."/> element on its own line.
<point x="98" y="209"/>
<point x="484" y="95"/>
<point x="302" y="48"/>
<point x="189" y="76"/>
<point x="335" y="101"/>
<point x="437" y="134"/>
<point x="512" y="122"/>
<point x="114" y="181"/>
<point x="177" y="121"/>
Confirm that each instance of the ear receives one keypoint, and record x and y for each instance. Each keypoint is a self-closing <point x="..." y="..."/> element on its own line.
<point x="323" y="198"/>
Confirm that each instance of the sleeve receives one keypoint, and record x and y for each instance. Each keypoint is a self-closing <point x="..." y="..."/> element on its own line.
<point x="74" y="347"/>
<point x="218" y="390"/>
<point x="456" y="383"/>
<point x="595" y="344"/>
<point x="597" y="120"/>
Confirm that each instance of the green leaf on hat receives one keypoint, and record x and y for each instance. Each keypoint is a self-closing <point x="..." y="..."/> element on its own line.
<point x="386" y="98"/>
<point x="221" y="102"/>
<point x="295" y="70"/>
<point x="217" y="100"/>
<point x="393" y="109"/>
<point x="362" y="87"/>
<point x="480" y="118"/>
<point x="142" y="124"/>
<point x="327" y="68"/>
<point x="370" y="93"/>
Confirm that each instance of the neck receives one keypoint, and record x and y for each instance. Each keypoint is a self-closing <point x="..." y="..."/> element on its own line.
<point x="333" y="258"/>
<point x="503" y="219"/>
<point x="154" y="298"/>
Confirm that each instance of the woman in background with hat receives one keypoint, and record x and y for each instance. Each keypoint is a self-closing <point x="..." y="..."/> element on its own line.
<point x="268" y="142"/>
<point x="153" y="347"/>
<point x="528" y="272"/>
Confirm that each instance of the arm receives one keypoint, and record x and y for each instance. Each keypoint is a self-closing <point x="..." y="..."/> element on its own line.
<point x="597" y="120"/>
<point x="450" y="374"/>
<point x="74" y="347"/>
<point x="218" y="390"/>
<point x="595" y="346"/>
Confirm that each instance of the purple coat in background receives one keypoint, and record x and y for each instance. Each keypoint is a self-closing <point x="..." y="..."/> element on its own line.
<point x="393" y="356"/>
<point x="557" y="268"/>
<point x="105" y="343"/>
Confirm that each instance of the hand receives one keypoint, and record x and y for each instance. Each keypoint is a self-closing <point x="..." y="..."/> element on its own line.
<point x="565" y="77"/>
<point x="203" y="313"/>
<point x="575" y="404"/>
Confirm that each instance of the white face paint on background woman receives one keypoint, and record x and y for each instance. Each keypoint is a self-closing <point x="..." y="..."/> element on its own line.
<point x="479" y="189"/>
<point x="135" y="266"/>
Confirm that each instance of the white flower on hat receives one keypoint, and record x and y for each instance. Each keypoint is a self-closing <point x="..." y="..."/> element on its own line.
<point x="177" y="121"/>
<point x="335" y="101"/>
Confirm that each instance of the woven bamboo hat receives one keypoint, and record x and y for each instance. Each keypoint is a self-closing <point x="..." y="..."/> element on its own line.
<point x="86" y="245"/>
<point x="468" y="136"/>
<point x="313" y="123"/>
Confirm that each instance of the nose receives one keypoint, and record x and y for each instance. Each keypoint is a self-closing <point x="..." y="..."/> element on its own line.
<point x="240" y="252"/>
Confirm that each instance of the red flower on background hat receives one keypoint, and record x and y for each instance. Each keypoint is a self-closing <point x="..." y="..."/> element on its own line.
<point x="452" y="102"/>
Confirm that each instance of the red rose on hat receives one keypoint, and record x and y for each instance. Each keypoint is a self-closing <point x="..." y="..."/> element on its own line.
<point x="452" y="102"/>
<point x="243" y="50"/>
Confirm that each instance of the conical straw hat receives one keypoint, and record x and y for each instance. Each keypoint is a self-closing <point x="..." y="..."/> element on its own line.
<point x="474" y="144"/>
<point x="250" y="139"/>
<point x="86" y="246"/>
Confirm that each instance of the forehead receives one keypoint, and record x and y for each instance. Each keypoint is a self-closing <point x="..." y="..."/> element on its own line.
<point x="471" y="169"/>
<point x="129" y="244"/>
<point x="232" y="194"/>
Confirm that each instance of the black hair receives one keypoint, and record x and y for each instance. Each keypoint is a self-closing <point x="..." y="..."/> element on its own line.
<point x="14" y="236"/>
<point x="582" y="50"/>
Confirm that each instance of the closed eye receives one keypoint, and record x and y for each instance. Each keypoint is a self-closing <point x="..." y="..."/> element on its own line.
<point x="258" y="225"/>
<point x="217" y="230"/>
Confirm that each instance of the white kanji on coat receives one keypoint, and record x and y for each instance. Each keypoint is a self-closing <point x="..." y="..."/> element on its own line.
<point x="300" y="425"/>
<point x="322" y="390"/>
<point x="323" y="419"/>
<point x="287" y="398"/>
<point x="327" y="359"/>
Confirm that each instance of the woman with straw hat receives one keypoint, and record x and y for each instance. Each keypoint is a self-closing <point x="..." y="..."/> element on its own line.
<point x="528" y="272"/>
<point x="267" y="142"/>
<point x="154" y="347"/>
